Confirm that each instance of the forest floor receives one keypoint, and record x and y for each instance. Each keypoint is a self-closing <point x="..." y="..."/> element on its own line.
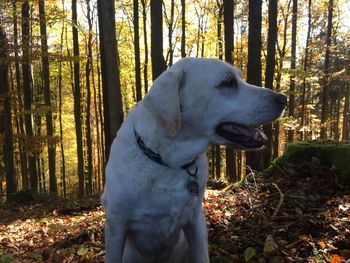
<point x="299" y="213"/>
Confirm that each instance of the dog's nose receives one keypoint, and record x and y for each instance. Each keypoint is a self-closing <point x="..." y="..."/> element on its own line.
<point x="281" y="100"/>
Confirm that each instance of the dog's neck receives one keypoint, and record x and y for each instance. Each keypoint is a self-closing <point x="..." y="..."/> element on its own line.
<point x="175" y="151"/>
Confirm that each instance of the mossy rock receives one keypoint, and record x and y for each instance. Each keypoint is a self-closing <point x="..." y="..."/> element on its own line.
<point x="320" y="153"/>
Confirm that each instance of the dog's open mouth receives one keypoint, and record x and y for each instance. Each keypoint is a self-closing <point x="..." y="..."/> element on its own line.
<point x="248" y="137"/>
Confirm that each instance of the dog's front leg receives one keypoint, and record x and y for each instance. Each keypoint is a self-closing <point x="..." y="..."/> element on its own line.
<point x="197" y="236"/>
<point x="115" y="235"/>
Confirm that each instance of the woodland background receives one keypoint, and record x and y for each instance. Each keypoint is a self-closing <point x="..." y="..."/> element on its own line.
<point x="71" y="71"/>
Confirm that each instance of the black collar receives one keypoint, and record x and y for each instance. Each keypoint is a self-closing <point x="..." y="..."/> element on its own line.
<point x="156" y="156"/>
<point x="192" y="185"/>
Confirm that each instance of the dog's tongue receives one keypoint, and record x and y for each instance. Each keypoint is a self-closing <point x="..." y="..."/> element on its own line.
<point x="250" y="132"/>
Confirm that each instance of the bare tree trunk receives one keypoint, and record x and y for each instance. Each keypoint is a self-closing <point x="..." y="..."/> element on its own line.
<point x="231" y="173"/>
<point x="27" y="90"/>
<point x="47" y="97"/>
<point x="306" y="59"/>
<point x="63" y="168"/>
<point x="345" y="131"/>
<point x="101" y="121"/>
<point x="137" y="51"/>
<point x="292" y="67"/>
<point x="77" y="97"/>
<point x="183" y="28"/>
<point x="219" y="49"/>
<point x="170" y="22"/>
<point x="6" y="117"/>
<point x="218" y="162"/>
<point x="281" y="53"/>
<point x="326" y="79"/>
<point x="254" y="76"/>
<point x="270" y="72"/>
<point x="158" y="62"/>
<point x="145" y="68"/>
<point x="112" y="99"/>
<point x="88" y="103"/>
<point x="23" y="154"/>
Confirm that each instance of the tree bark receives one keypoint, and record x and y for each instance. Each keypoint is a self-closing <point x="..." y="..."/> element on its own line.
<point x="63" y="168"/>
<point x="23" y="154"/>
<point x="27" y="92"/>
<point x="345" y="130"/>
<point x="6" y="117"/>
<point x="231" y="173"/>
<point x="183" y="28"/>
<point x="158" y="62"/>
<point x="281" y="53"/>
<point x="326" y="80"/>
<point x="145" y="40"/>
<point x="51" y="144"/>
<point x="270" y="72"/>
<point x="291" y="106"/>
<point x="88" y="103"/>
<point x="77" y="101"/>
<point x="306" y="59"/>
<point x="137" y="51"/>
<point x="254" y="76"/>
<point x="112" y="99"/>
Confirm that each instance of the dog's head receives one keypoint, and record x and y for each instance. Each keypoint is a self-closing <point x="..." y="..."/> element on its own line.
<point x="208" y="98"/>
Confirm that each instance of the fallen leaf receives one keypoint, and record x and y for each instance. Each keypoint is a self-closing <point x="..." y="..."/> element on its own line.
<point x="321" y="244"/>
<point x="336" y="259"/>
<point x="249" y="253"/>
<point x="270" y="245"/>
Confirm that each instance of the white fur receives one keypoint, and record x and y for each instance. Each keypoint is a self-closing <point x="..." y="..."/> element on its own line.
<point x="150" y="214"/>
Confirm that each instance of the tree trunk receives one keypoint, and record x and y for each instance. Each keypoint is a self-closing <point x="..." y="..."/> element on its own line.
<point x="231" y="174"/>
<point x="77" y="98"/>
<point x="183" y="28"/>
<point x="145" y="40"/>
<point x="112" y="99"/>
<point x="23" y="154"/>
<point x="291" y="107"/>
<point x="345" y="131"/>
<point x="63" y="168"/>
<point x="270" y="72"/>
<point x="217" y="162"/>
<point x="27" y="92"/>
<point x="137" y="51"/>
<point x="326" y="79"/>
<point x="88" y="103"/>
<point x="306" y="59"/>
<point x="6" y="117"/>
<point x="158" y="62"/>
<point x="254" y="159"/>
<point x="47" y="97"/>
<point x="281" y="53"/>
<point x="170" y="23"/>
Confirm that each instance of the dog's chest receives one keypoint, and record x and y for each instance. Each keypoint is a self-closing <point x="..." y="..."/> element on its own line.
<point x="161" y="213"/>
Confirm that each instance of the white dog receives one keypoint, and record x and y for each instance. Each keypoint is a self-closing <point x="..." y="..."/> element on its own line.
<point x="157" y="169"/>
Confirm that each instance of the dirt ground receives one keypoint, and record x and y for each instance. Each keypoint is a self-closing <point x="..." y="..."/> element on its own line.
<point x="298" y="213"/>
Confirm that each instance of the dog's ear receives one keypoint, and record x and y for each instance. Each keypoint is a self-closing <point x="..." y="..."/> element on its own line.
<point x="162" y="101"/>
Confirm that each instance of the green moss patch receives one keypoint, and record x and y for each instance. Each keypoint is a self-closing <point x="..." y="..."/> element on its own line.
<point x="329" y="154"/>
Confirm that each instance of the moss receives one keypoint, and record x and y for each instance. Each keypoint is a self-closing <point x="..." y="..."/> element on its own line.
<point x="320" y="153"/>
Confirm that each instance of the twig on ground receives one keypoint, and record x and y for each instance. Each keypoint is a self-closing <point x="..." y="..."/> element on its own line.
<point x="279" y="202"/>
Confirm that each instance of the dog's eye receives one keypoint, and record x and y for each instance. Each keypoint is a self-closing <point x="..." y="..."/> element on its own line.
<point x="229" y="83"/>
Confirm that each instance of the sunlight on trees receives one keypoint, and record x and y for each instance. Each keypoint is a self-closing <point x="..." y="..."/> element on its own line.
<point x="57" y="74"/>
